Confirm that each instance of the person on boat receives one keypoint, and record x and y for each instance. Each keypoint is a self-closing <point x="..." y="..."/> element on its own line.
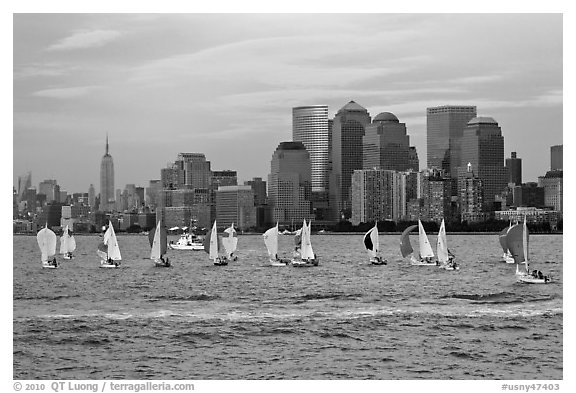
<point x="540" y="275"/>
<point x="54" y="263"/>
<point x="233" y="257"/>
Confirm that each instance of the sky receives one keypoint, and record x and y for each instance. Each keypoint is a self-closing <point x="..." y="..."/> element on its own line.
<point x="225" y="85"/>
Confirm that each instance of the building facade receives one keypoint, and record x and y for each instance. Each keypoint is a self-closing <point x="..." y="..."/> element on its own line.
<point x="470" y="194"/>
<point x="514" y="169"/>
<point x="259" y="188"/>
<point x="107" y="200"/>
<point x="445" y="126"/>
<point x="556" y="157"/>
<point x="235" y="204"/>
<point x="386" y="144"/>
<point x="347" y="133"/>
<point x="310" y="126"/>
<point x="290" y="183"/>
<point x="483" y="148"/>
<point x="553" y="186"/>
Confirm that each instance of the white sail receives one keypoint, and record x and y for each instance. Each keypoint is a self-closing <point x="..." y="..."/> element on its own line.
<point x="112" y="243"/>
<point x="71" y="243"/>
<point x="525" y="244"/>
<point x="442" y="246"/>
<point x="425" y="247"/>
<point x="155" y="252"/>
<point x="306" y="251"/>
<point x="214" y="242"/>
<point x="64" y="241"/>
<point x="271" y="241"/>
<point x="371" y="242"/>
<point x="230" y="242"/>
<point x="47" y="242"/>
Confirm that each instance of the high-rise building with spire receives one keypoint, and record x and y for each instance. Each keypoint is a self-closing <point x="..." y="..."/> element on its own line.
<point x="107" y="181"/>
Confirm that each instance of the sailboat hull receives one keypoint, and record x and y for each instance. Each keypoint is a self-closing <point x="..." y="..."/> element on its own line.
<point x="526" y="279"/>
<point x="375" y="261"/>
<point x="416" y="262"/>
<point x="160" y="263"/>
<point x="300" y="263"/>
<point x="47" y="266"/>
<point x="106" y="265"/>
<point x="276" y="263"/>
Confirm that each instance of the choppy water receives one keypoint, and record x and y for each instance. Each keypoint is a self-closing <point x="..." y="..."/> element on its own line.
<point x="344" y="319"/>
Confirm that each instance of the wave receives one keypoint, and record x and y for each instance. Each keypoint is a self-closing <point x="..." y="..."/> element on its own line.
<point x="326" y="296"/>
<point x="379" y="314"/>
<point x="498" y="298"/>
<point x="46" y="297"/>
<point x="191" y="298"/>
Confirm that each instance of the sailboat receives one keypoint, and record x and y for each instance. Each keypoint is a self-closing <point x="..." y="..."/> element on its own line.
<point x="445" y="258"/>
<point x="213" y="245"/>
<point x="306" y="255"/>
<point x="47" y="242"/>
<point x="506" y="255"/>
<point x="517" y="242"/>
<point x="426" y="252"/>
<point x="67" y="244"/>
<point x="157" y="238"/>
<point x="108" y="250"/>
<point x="230" y="243"/>
<point x="271" y="241"/>
<point x="372" y="246"/>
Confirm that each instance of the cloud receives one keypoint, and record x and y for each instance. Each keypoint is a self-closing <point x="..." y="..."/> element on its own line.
<point x="66" y="92"/>
<point x="85" y="39"/>
<point x="42" y="70"/>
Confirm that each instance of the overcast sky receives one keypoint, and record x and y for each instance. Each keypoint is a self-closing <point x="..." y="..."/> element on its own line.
<point x="225" y="84"/>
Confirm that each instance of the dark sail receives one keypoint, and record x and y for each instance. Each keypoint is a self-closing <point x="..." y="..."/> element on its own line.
<point x="405" y="246"/>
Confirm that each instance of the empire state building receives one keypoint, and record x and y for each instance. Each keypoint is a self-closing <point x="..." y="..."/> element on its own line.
<point x="107" y="181"/>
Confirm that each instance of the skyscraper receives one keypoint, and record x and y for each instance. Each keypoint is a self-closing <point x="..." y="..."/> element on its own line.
<point x="386" y="144"/>
<point x="483" y="148"/>
<point x="107" y="181"/>
<point x="346" y="156"/>
<point x="289" y="183"/>
<point x="514" y="169"/>
<point x="310" y="126"/>
<point x="445" y="126"/>
<point x="235" y="204"/>
<point x="556" y="153"/>
<point x="24" y="183"/>
<point x="91" y="197"/>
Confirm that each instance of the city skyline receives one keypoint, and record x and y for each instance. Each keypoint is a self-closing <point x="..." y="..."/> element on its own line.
<point x="159" y="84"/>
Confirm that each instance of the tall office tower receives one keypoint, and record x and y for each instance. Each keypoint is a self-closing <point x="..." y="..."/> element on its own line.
<point x="290" y="183"/>
<point x="107" y="181"/>
<point x="386" y="144"/>
<point x="346" y="156"/>
<point x="91" y="196"/>
<point x="310" y="126"/>
<point x="235" y="204"/>
<point x="413" y="160"/>
<point x="196" y="169"/>
<point x="483" y="148"/>
<point x="556" y="153"/>
<point x="444" y="130"/>
<point x="24" y="183"/>
<point x="51" y="189"/>
<point x="470" y="194"/>
<point x="153" y="193"/>
<point x="514" y="169"/>
<point x="553" y="189"/>
<point x="259" y="188"/>
<point x="436" y="190"/>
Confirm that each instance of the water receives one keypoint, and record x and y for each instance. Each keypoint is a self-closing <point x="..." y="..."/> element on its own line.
<point x="344" y="319"/>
